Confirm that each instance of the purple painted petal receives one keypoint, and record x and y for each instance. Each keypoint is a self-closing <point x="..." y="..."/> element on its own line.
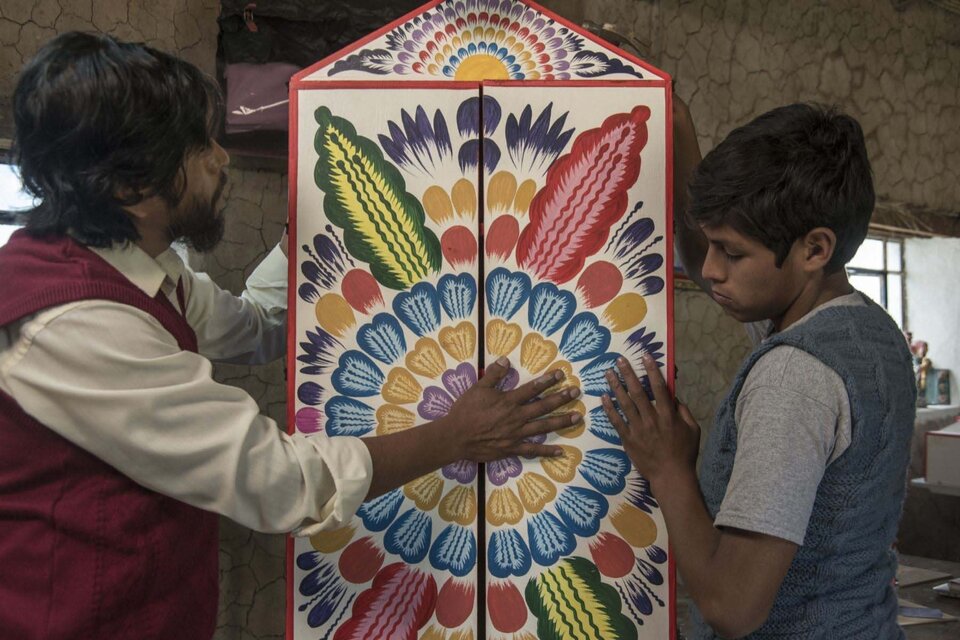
<point x="309" y="420"/>
<point x="468" y="117"/>
<point x="435" y="404"/>
<point x="458" y="380"/>
<point x="441" y="134"/>
<point x="499" y="471"/>
<point x="463" y="471"/>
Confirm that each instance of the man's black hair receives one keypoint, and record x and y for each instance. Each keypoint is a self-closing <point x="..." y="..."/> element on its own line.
<point x="100" y="125"/>
<point x="785" y="173"/>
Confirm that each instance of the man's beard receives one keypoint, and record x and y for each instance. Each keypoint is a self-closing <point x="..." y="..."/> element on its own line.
<point x="197" y="223"/>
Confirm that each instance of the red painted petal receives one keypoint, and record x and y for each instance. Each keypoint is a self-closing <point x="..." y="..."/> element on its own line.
<point x="599" y="283"/>
<point x="502" y="237"/>
<point x="400" y="601"/>
<point x="508" y="612"/>
<point x="360" y="561"/>
<point x="455" y="602"/>
<point x="612" y="555"/>
<point x="361" y="290"/>
<point x="459" y="246"/>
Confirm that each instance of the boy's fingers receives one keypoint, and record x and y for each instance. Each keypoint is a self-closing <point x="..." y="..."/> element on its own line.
<point x="687" y="417"/>
<point x="548" y="404"/>
<point x="614" y="417"/>
<point x="533" y="388"/>
<point x="657" y="384"/>
<point x="549" y="425"/>
<point x="634" y="388"/>
<point x="494" y="373"/>
<point x="628" y="406"/>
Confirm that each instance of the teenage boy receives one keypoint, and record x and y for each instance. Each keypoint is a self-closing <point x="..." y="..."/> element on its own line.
<point x="788" y="533"/>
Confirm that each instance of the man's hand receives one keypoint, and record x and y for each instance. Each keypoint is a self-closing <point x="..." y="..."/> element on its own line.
<point x="663" y="440"/>
<point x="492" y="424"/>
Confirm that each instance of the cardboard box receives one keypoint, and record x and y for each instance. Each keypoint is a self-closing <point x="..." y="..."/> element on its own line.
<point x="943" y="456"/>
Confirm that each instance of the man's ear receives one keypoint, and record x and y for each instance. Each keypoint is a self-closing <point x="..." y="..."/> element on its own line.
<point x="818" y="247"/>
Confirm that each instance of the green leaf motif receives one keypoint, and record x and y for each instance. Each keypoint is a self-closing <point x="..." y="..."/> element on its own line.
<point x="365" y="195"/>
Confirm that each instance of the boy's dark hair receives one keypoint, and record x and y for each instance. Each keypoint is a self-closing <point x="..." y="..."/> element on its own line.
<point x="101" y="124"/>
<point x="785" y="173"/>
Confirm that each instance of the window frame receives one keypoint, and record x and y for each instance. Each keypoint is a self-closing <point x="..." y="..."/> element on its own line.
<point x="884" y="273"/>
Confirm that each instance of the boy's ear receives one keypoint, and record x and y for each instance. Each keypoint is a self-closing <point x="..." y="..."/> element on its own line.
<point x="818" y="247"/>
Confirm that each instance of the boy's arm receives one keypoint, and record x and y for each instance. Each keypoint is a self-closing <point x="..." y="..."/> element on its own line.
<point x="691" y="244"/>
<point x="732" y="575"/>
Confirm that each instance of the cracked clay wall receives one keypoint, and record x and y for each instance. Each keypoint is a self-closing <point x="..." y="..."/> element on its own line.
<point x="898" y="71"/>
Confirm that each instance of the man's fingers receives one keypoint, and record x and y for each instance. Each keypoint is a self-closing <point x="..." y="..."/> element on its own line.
<point x="549" y="425"/>
<point x="533" y="388"/>
<point x="494" y="373"/>
<point x="548" y="404"/>
<point x="530" y="450"/>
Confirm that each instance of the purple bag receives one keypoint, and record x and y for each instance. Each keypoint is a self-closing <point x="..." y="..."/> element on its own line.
<point x="258" y="96"/>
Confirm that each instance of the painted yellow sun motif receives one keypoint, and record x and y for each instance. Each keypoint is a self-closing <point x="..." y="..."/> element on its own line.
<point x="482" y="66"/>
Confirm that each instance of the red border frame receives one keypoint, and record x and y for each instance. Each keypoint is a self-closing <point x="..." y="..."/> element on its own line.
<point x="603" y="44"/>
<point x="297" y="84"/>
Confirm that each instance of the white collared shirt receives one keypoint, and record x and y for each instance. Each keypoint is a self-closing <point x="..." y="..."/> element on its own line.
<point x="109" y="378"/>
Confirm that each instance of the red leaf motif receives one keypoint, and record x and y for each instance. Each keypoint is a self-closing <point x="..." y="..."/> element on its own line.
<point x="396" y="606"/>
<point x="584" y="195"/>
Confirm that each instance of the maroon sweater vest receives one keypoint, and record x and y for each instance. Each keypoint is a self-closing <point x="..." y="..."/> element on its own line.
<point x="85" y="552"/>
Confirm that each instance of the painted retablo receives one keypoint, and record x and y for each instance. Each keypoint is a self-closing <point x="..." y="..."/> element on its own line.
<point x="508" y="197"/>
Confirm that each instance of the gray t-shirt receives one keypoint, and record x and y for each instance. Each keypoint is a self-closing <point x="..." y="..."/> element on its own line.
<point x="793" y="420"/>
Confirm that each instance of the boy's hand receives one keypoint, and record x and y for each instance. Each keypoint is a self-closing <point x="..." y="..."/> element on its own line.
<point x="492" y="424"/>
<point x="661" y="440"/>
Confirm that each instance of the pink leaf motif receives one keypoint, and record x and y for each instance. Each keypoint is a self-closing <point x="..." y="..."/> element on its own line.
<point x="397" y="605"/>
<point x="584" y="195"/>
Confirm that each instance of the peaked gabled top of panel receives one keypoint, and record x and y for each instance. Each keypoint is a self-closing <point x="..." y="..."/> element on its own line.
<point x="472" y="40"/>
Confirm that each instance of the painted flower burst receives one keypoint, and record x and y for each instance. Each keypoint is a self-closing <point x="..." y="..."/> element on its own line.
<point x="484" y="40"/>
<point x="389" y="362"/>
